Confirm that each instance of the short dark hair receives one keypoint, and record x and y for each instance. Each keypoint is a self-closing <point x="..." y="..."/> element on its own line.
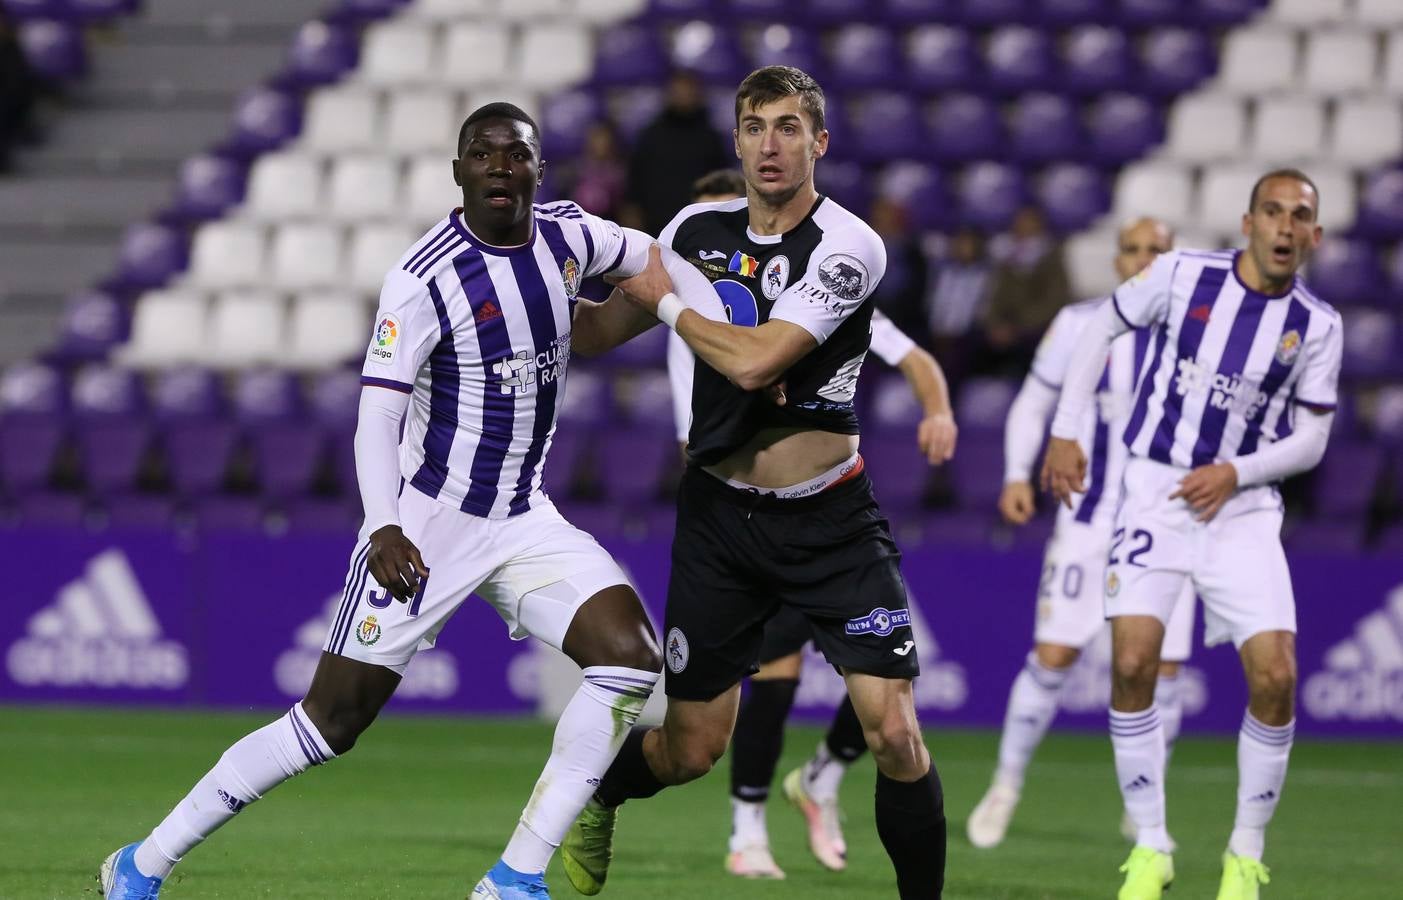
<point x="721" y="181"/>
<point x="1282" y="173"/>
<point x="497" y="110"/>
<point x="775" y="82"/>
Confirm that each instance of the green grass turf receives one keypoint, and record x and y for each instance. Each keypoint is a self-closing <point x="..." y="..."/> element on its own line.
<point x="424" y="805"/>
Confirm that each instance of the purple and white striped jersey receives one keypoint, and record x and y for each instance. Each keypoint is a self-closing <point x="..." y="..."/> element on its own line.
<point x="1227" y="364"/>
<point x="479" y="336"/>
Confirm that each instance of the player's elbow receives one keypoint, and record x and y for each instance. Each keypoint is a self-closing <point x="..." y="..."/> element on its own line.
<point x="754" y="377"/>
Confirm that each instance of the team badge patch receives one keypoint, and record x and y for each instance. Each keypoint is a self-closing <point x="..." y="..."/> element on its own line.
<point x="1112" y="584"/>
<point x="570" y="274"/>
<point x="844" y="275"/>
<point x="743" y="264"/>
<point x="776" y="277"/>
<point x="386" y="338"/>
<point x="1289" y="348"/>
<point x="880" y="622"/>
<point x="677" y="651"/>
<point x="368" y="631"/>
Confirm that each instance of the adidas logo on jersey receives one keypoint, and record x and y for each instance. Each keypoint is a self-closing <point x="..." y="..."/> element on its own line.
<point x="1363" y="676"/>
<point x="488" y="312"/>
<point x="99" y="632"/>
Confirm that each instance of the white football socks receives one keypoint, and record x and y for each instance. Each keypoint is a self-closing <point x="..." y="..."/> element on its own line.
<point x="1169" y="700"/>
<point x="587" y="738"/>
<point x="748" y="825"/>
<point x="1138" y="740"/>
<point x="1262" y="755"/>
<point x="1032" y="705"/>
<point x="823" y="773"/>
<point x="254" y="765"/>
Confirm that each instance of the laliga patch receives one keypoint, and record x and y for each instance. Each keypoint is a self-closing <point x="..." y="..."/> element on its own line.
<point x="776" y="277"/>
<point x="385" y="339"/>
<point x="1289" y="348"/>
<point x="677" y="651"/>
<point x="844" y="275"/>
<point x="880" y="622"/>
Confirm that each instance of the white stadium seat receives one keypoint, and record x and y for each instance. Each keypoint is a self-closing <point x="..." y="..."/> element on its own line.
<point x="327" y="327"/>
<point x="529" y="101"/>
<point x="1288" y="130"/>
<point x="1339" y="62"/>
<point x="554" y="55"/>
<point x="536" y="10"/>
<point x="1378" y="13"/>
<point x="475" y="53"/>
<point x="168" y="327"/>
<point x="1258" y="61"/>
<point x="1154" y="188"/>
<point x="342" y="118"/>
<point x="1090" y="255"/>
<point x="398" y="53"/>
<point x="246" y="327"/>
<point x="1339" y="195"/>
<point x="1393" y="63"/>
<point x="228" y="254"/>
<point x="1207" y="127"/>
<point x="374" y="249"/>
<point x="1367" y="131"/>
<point x="306" y="255"/>
<point x="449" y="10"/>
<point x="429" y="191"/>
<point x="283" y="185"/>
<point x="1308" y="12"/>
<point x="422" y="121"/>
<point x="364" y="187"/>
<point x="601" y="12"/>
<point x="1223" y="195"/>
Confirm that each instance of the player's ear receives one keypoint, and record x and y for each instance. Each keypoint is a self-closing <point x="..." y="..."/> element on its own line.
<point x="540" y="172"/>
<point x="821" y="144"/>
<point x="457" y="177"/>
<point x="1247" y="224"/>
<point x="735" y="141"/>
<point x="1316" y="235"/>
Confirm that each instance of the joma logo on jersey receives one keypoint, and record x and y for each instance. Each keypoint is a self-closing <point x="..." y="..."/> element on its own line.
<point x="1225" y="391"/>
<point x="520" y="372"/>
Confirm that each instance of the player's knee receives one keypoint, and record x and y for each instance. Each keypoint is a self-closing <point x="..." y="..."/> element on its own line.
<point x="632" y="651"/>
<point x="897" y="747"/>
<point x="1275" y="682"/>
<point x="339" y="728"/>
<point x="693" y="759"/>
<point x="1135" y="666"/>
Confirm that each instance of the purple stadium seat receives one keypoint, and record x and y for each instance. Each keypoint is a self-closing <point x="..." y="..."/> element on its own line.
<point x="102" y="10"/>
<point x="1226" y="12"/>
<point x="785" y="45"/>
<point x="151" y="253"/>
<point x="286" y="448"/>
<point x="1388" y="421"/>
<point x="1096" y="59"/>
<point x="1018" y="58"/>
<point x="209" y="185"/>
<point x="1175" y="60"/>
<point x="683" y="9"/>
<point x="890" y="123"/>
<point x="23" y="10"/>
<point x="711" y="52"/>
<point x="1348" y="477"/>
<point x="633" y="108"/>
<point x="898" y="470"/>
<point x="565" y="117"/>
<point x="1394" y="280"/>
<point x="1075" y="12"/>
<point x="763" y="10"/>
<point x="199" y="442"/>
<point x="1073" y="196"/>
<point x="358" y="12"/>
<point x="922" y="191"/>
<point x="986" y="13"/>
<point x="1346" y="272"/>
<point x="33" y="401"/>
<point x="1381" y="205"/>
<point x="629" y="54"/>
<point x="846" y="182"/>
<point x="1371" y="345"/>
<point x="921" y="12"/>
<point x="836" y="12"/>
<point x="990" y="194"/>
<point x="263" y="395"/>
<point x="110" y="427"/>
<point x="964" y="127"/>
<point x="941" y="58"/>
<point x="1143" y="13"/>
<point x="1044" y="127"/>
<point x="93" y="322"/>
<point x="1122" y="127"/>
<point x="264" y="119"/>
<point x="864" y="56"/>
<point x="334" y="401"/>
<point x="321" y="53"/>
<point x="631" y="465"/>
<point x="54" y="49"/>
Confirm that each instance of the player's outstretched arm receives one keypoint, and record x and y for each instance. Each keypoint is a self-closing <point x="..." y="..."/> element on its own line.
<point x="393" y="559"/>
<point x="600" y="327"/>
<point x="937" y="434"/>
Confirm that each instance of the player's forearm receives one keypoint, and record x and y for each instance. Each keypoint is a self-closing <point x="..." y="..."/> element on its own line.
<point x="927" y="381"/>
<point x="1023" y="430"/>
<point x="377" y="454"/>
<point x="1299" y="451"/>
<point x="600" y="327"/>
<point x="746" y="356"/>
<point x="1088" y="362"/>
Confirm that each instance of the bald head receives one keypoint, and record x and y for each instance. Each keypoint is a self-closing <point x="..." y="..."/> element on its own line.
<point x="1139" y="242"/>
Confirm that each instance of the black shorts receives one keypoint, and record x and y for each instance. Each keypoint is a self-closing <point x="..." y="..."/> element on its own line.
<point x="738" y="557"/>
<point x="785" y="634"/>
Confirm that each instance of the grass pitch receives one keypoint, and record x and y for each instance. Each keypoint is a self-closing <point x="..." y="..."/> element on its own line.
<point x="424" y="805"/>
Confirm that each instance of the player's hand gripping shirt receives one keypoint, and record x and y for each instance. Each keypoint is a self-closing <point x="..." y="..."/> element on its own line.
<point x="479" y="336"/>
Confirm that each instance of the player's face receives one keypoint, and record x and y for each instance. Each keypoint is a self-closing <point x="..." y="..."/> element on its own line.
<point x="499" y="171"/>
<point x="1139" y="245"/>
<point x="1281" y="229"/>
<point x="777" y="147"/>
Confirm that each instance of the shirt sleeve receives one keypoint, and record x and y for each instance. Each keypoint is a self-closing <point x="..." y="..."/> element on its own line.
<point x="889" y="342"/>
<point x="841" y="275"/>
<point x="1144" y="299"/>
<point x="1318" y="386"/>
<point x="406" y="329"/>
<point x="1055" y="350"/>
<point x="680" y="367"/>
<point x="617" y="250"/>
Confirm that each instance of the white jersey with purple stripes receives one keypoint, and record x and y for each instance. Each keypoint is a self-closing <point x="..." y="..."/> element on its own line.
<point x="1100" y="431"/>
<point x="479" y="336"/>
<point x="1227" y="364"/>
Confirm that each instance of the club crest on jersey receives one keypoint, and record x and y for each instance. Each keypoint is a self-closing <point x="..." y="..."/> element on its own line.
<point x="382" y="347"/>
<point x="677" y="651"/>
<point x="368" y="631"/>
<point x="776" y="277"/>
<point x="1289" y="348"/>
<point x="880" y="622"/>
<point x="844" y="275"/>
<point x="1112" y="584"/>
<point x="570" y="274"/>
<point x="743" y="264"/>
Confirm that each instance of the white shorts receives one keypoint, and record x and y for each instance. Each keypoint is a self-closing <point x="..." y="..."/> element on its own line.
<point x="1234" y="562"/>
<point x="1070" y="608"/>
<point x="536" y="569"/>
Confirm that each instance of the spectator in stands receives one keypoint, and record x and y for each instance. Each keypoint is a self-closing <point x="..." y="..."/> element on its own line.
<point x="901" y="291"/>
<point x="17" y="91"/>
<point x="674" y="150"/>
<point x="1028" y="287"/>
<point x="598" y="179"/>
<point x="955" y="301"/>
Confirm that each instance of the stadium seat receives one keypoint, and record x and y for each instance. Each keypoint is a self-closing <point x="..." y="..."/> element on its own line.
<point x="1150" y="13"/>
<point x="1044" y="127"/>
<point x="110" y="431"/>
<point x="905" y="13"/>
<point x="1346" y="272"/>
<point x="168" y="327"/>
<point x="824" y="13"/>
<point x="33" y="401"/>
<point x="528" y="102"/>
<point x="890" y="123"/>
<point x="1075" y="12"/>
<point x="1378" y="13"/>
<point x="922" y="191"/>
<point x="1174" y="60"/>
<point x="990" y="193"/>
<point x="449" y="10"/>
<point x="321" y="53"/>
<point x="1339" y="62"/>
<point x="1288" y="130"/>
<point x="398" y="53"/>
<point x="1381" y="204"/>
<point x="285" y="185"/>
<point x="536" y="10"/>
<point x="422" y="120"/>
<point x="1227" y="12"/>
<point x="327" y="328"/>
<point x="209" y="185"/>
<point x="787" y="45"/>
<point x="227" y="254"/>
<point x="1096" y="59"/>
<point x="1018" y="58"/>
<point x="632" y="108"/>
<point x="1367" y="131"/>
<point x="565" y="117"/>
<point x="941" y="58"/>
<point x="712" y="53"/>
<point x="1393" y="63"/>
<point x="342" y="118"/>
<point x="93" y="323"/>
<point x="604" y="12"/>
<point x="1073" y="196"/>
<point x="1223" y="193"/>
<point x="188" y="407"/>
<point x="989" y="13"/>
<point x="1122" y="127"/>
<point x="1370" y="345"/>
<point x="1339" y="198"/>
<point x="149" y="256"/>
<point x="1155" y="188"/>
<point x="373" y="251"/>
<point x="846" y="182"/>
<point x="553" y="56"/>
<point x="1308" y="12"/>
<point x="1258" y="61"/>
<point x="863" y="56"/>
<point x="54" y="50"/>
<point x="334" y="401"/>
<point x="246" y="328"/>
<point x="429" y="191"/>
<point x="629" y="54"/>
<point x="1207" y="127"/>
<point x="306" y="255"/>
<point x="360" y="12"/>
<point x="363" y="188"/>
<point x="264" y="118"/>
<point x="965" y="127"/>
